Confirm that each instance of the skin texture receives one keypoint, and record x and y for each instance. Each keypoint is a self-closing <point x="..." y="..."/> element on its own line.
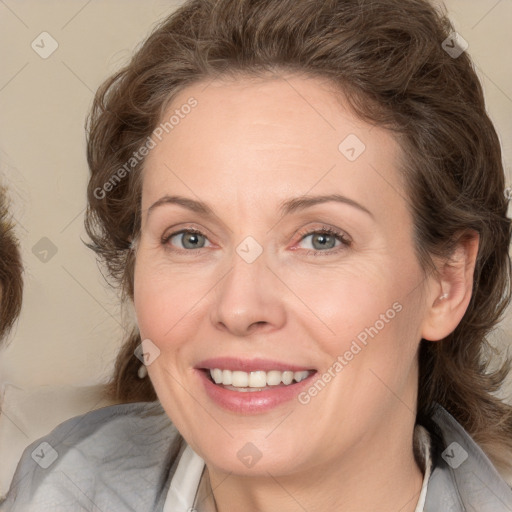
<point x="245" y="148"/>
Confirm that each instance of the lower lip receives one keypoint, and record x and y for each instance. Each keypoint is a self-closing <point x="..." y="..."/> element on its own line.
<point x="252" y="402"/>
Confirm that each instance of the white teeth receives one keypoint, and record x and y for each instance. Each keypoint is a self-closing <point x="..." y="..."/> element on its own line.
<point x="298" y="376"/>
<point x="256" y="379"/>
<point x="227" y="377"/>
<point x="239" y="379"/>
<point x="273" y="378"/>
<point x="287" y="377"/>
<point x="217" y="375"/>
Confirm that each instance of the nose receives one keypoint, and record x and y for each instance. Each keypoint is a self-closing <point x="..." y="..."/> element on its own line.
<point x="248" y="299"/>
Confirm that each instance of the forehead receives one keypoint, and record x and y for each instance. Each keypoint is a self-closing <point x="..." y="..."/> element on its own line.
<point x="286" y="135"/>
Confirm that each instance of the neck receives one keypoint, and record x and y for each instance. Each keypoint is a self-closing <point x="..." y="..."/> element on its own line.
<point x="380" y="473"/>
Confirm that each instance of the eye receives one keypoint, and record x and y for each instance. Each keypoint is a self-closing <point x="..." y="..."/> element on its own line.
<point x="188" y="238"/>
<point x="325" y="240"/>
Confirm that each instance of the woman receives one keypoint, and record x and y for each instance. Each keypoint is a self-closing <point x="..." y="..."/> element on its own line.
<point x="304" y="201"/>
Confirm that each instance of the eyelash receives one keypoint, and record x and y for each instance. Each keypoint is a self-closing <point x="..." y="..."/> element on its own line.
<point x="325" y="230"/>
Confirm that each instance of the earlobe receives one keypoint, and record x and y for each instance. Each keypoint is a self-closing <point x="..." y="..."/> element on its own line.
<point x="451" y="289"/>
<point x="134" y="244"/>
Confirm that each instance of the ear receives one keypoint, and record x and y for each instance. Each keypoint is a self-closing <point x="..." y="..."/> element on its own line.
<point x="131" y="314"/>
<point x="450" y="291"/>
<point x="134" y="243"/>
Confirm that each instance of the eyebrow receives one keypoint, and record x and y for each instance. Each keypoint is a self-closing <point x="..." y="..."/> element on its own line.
<point x="189" y="204"/>
<point x="286" y="207"/>
<point x="302" y="202"/>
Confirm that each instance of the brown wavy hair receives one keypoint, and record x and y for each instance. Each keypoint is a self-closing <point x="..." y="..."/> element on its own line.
<point x="11" y="269"/>
<point x="387" y="59"/>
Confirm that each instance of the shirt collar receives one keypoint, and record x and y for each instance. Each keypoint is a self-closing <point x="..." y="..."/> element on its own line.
<point x="189" y="491"/>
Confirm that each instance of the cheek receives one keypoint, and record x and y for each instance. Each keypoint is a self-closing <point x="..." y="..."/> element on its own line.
<point x="342" y="303"/>
<point x="370" y="306"/>
<point x="166" y="300"/>
<point x="153" y="295"/>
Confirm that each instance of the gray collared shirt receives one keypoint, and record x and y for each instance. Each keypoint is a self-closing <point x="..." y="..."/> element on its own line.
<point x="122" y="459"/>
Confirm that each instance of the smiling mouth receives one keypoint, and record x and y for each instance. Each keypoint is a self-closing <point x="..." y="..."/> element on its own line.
<point x="258" y="380"/>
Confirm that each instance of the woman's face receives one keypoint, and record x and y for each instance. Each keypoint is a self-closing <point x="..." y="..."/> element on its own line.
<point x="244" y="264"/>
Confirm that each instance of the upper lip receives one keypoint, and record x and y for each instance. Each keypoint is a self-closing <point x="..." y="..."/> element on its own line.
<point x="249" y="365"/>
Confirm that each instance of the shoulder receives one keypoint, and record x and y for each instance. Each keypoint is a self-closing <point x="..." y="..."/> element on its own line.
<point x="115" y="458"/>
<point x="463" y="477"/>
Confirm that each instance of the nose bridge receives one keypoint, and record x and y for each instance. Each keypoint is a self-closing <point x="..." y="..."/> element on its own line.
<point x="245" y="297"/>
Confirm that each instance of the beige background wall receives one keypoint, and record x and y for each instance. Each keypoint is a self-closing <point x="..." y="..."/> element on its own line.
<point x="70" y="330"/>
